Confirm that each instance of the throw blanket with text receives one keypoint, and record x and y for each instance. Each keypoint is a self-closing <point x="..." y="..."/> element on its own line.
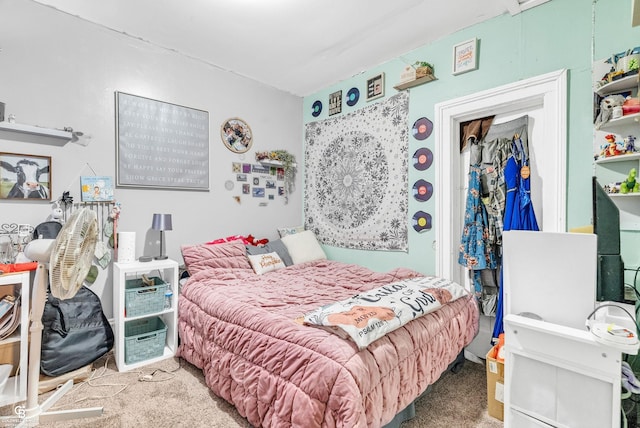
<point x="370" y="315"/>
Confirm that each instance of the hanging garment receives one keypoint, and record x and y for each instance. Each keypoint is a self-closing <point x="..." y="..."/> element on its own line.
<point x="474" y="253"/>
<point x="474" y="131"/>
<point x="497" y="150"/>
<point x="518" y="213"/>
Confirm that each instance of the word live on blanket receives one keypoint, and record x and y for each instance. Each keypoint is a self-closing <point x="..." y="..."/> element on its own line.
<point x="370" y="315"/>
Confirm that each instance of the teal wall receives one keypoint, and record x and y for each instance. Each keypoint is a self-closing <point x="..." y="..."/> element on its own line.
<point x="556" y="35"/>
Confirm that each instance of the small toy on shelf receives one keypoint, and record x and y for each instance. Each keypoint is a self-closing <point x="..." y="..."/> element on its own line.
<point x="630" y="185"/>
<point x="629" y="144"/>
<point x="612" y="146"/>
<point x="607" y="105"/>
<point x="56" y="213"/>
<point x="612" y="187"/>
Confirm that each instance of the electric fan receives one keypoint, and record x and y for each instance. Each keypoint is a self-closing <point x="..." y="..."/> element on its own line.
<point x="65" y="262"/>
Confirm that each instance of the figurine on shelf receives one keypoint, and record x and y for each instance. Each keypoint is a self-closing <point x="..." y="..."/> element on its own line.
<point x="630" y="144"/>
<point x="630" y="185"/>
<point x="612" y="146"/>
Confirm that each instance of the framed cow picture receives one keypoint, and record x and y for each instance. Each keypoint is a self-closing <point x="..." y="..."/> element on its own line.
<point x="26" y="177"/>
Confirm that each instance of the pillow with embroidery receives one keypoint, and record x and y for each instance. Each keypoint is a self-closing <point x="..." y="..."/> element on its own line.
<point x="273" y="246"/>
<point x="262" y="263"/>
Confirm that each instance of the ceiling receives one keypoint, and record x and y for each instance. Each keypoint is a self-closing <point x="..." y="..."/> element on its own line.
<point x="298" y="46"/>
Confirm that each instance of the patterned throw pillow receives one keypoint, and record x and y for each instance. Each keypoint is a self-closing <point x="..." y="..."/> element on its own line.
<point x="284" y="231"/>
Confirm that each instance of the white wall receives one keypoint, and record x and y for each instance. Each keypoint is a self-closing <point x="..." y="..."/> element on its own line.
<point x="57" y="70"/>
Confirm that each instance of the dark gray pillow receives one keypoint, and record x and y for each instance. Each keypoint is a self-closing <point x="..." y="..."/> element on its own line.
<point x="273" y="246"/>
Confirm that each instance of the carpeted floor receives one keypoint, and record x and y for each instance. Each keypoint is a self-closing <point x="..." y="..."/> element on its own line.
<point x="175" y="395"/>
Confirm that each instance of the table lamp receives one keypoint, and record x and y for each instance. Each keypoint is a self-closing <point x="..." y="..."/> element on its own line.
<point x="161" y="222"/>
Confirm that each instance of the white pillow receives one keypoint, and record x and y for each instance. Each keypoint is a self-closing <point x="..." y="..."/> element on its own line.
<point x="262" y="263"/>
<point x="303" y="247"/>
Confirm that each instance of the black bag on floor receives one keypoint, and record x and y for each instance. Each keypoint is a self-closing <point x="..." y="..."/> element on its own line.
<point x="75" y="333"/>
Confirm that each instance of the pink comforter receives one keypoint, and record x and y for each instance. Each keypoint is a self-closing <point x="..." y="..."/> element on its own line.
<point x="239" y="328"/>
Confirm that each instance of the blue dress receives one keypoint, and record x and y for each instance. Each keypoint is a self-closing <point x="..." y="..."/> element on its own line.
<point x="518" y="212"/>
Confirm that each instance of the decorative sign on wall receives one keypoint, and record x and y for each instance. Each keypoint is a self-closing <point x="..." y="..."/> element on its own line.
<point x="161" y="145"/>
<point x="335" y="103"/>
<point x="96" y="189"/>
<point x="375" y="87"/>
<point x="465" y="57"/>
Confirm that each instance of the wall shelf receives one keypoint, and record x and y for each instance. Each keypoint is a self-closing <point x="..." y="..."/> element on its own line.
<point x="617" y="86"/>
<point x="627" y="120"/>
<point x="620" y="158"/>
<point x="34" y="134"/>
<point x="278" y="164"/>
<point x="419" y="81"/>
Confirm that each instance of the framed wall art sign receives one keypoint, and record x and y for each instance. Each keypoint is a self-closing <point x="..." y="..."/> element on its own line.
<point x="161" y="145"/>
<point x="236" y="135"/>
<point x="335" y="103"/>
<point x="375" y="87"/>
<point x="465" y="56"/>
<point x="96" y="189"/>
<point x="26" y="177"/>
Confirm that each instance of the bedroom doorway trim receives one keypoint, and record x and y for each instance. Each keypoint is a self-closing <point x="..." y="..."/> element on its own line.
<point x="547" y="92"/>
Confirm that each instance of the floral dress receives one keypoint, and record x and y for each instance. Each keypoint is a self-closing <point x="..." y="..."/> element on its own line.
<point x="475" y="253"/>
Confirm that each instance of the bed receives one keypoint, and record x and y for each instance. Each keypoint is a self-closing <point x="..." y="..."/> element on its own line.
<point x="243" y="330"/>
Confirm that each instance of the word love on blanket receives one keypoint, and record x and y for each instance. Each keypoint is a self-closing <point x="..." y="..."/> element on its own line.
<point x="370" y="315"/>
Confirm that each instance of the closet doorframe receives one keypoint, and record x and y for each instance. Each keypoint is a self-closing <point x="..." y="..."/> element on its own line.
<point x="547" y="92"/>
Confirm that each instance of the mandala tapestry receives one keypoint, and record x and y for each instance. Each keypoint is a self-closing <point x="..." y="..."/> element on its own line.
<point x="356" y="185"/>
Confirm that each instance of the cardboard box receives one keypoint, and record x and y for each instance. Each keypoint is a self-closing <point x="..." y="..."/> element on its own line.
<point x="10" y="354"/>
<point x="495" y="385"/>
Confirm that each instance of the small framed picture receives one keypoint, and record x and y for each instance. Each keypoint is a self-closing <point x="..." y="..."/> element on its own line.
<point x="96" y="189"/>
<point x="26" y="177"/>
<point x="375" y="87"/>
<point x="465" y="56"/>
<point x="335" y="103"/>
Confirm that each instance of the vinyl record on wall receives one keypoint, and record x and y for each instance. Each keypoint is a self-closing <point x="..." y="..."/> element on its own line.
<point x="421" y="221"/>
<point x="422" y="190"/>
<point x="316" y="108"/>
<point x="422" y="159"/>
<point x="422" y="128"/>
<point x="353" y="96"/>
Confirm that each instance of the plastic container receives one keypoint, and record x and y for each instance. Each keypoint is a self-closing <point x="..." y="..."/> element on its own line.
<point x="168" y="295"/>
<point x="140" y="299"/>
<point x="144" y="339"/>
